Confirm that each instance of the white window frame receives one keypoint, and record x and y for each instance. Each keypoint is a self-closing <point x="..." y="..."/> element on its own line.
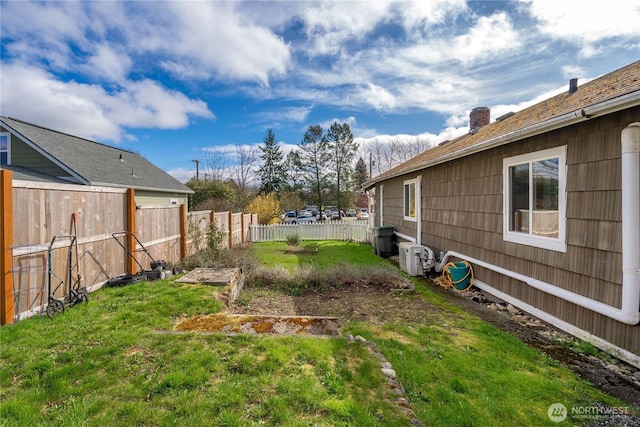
<point x="405" y="204"/>
<point x="8" y="135"/>
<point x="552" y="243"/>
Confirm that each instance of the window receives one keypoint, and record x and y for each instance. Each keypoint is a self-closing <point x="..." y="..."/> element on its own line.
<point x="535" y="199"/>
<point x="410" y="200"/>
<point x="5" y="148"/>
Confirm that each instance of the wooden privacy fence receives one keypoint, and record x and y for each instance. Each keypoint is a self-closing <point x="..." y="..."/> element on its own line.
<point x="330" y="230"/>
<point x="235" y="225"/>
<point x="34" y="213"/>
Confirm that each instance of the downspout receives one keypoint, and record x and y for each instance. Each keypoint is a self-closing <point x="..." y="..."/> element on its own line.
<point x="418" y="203"/>
<point x="629" y="313"/>
<point x="381" y="205"/>
<point x="631" y="222"/>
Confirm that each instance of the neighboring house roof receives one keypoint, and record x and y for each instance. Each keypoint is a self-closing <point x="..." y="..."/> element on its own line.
<point x="612" y="92"/>
<point x="90" y="162"/>
<point x="25" y="174"/>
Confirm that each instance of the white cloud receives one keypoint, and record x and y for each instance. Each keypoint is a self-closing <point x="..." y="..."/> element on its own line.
<point x="587" y="22"/>
<point x="107" y="63"/>
<point x="330" y="24"/>
<point x="288" y="115"/>
<point x="490" y="36"/>
<point x="378" y="97"/>
<point x="427" y="13"/>
<point x="181" y="174"/>
<point x="89" y="110"/>
<point x="212" y="36"/>
<point x="572" y="71"/>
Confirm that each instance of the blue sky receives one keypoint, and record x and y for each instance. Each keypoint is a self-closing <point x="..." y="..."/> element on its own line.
<point x="182" y="80"/>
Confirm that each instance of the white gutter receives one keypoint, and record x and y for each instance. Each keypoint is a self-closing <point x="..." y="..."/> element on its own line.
<point x="629" y="312"/>
<point x="616" y="104"/>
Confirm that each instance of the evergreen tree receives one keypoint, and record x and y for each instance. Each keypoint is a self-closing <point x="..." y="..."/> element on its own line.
<point x="342" y="149"/>
<point x="314" y="160"/>
<point x="272" y="173"/>
<point x="293" y="166"/>
<point x="362" y="174"/>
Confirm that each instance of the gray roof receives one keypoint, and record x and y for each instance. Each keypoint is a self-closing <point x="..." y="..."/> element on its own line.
<point x="94" y="163"/>
<point x="25" y="174"/>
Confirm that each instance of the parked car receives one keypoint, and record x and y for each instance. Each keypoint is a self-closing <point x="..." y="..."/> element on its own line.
<point x="305" y="218"/>
<point x="363" y="215"/>
<point x="290" y="216"/>
<point x="335" y="215"/>
<point x="313" y="209"/>
<point x="351" y="212"/>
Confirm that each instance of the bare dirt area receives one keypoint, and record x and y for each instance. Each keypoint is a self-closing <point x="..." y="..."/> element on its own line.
<point x="377" y="305"/>
<point x="371" y="304"/>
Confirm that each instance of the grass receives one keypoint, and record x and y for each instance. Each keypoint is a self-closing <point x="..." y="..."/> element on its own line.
<point x="112" y="362"/>
<point x="330" y="253"/>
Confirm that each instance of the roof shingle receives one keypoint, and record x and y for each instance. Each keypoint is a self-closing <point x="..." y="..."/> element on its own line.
<point x="97" y="163"/>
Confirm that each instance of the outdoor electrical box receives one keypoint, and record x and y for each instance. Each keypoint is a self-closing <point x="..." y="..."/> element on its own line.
<point x="409" y="258"/>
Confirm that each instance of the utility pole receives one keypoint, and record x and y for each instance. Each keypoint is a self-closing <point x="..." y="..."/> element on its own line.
<point x="197" y="162"/>
<point x="371" y="163"/>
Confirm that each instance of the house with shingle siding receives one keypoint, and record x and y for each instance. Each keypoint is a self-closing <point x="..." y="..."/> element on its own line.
<point x="544" y="203"/>
<point x="35" y="153"/>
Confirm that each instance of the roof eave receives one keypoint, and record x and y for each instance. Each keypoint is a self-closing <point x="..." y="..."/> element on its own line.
<point x="140" y="187"/>
<point x="47" y="155"/>
<point x="583" y="114"/>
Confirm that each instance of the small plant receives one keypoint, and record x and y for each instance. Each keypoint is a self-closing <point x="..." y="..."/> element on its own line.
<point x="293" y="240"/>
<point x="215" y="237"/>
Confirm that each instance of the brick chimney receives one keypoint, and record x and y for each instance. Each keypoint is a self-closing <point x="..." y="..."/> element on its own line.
<point x="479" y="116"/>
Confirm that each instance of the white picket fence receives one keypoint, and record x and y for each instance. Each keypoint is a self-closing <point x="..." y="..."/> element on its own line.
<point x="356" y="231"/>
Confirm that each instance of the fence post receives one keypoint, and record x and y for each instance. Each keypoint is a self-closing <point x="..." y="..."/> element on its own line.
<point x="183" y="231"/>
<point x="131" y="228"/>
<point x="242" y="226"/>
<point x="7" y="304"/>
<point x="230" y="229"/>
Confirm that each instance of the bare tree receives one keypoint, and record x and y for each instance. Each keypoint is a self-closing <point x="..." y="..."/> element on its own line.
<point x="217" y="166"/>
<point x="242" y="171"/>
<point x="387" y="155"/>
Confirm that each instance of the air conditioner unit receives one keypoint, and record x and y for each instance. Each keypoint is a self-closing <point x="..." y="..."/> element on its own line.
<point x="409" y="254"/>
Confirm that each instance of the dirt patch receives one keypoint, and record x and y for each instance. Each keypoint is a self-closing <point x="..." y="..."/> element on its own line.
<point x="367" y="303"/>
<point x="377" y="304"/>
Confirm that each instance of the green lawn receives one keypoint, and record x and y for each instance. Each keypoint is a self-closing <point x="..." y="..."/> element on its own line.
<point x="330" y="253"/>
<point x="113" y="362"/>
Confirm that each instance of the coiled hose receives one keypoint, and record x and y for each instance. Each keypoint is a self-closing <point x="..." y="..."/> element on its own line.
<point x="447" y="282"/>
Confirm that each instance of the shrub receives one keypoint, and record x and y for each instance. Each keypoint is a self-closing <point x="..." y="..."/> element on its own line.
<point x="293" y="240"/>
<point x="215" y="255"/>
<point x="309" y="277"/>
